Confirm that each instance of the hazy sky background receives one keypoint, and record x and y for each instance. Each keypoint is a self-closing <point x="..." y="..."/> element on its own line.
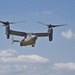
<point x="46" y="58"/>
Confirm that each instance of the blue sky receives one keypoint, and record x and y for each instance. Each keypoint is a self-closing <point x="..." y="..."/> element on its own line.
<point x="46" y="58"/>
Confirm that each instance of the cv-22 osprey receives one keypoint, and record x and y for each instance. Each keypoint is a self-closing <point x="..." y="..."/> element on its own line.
<point x="29" y="38"/>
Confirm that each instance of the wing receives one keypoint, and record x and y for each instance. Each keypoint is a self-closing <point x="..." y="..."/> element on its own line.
<point x="18" y="33"/>
<point x="40" y="34"/>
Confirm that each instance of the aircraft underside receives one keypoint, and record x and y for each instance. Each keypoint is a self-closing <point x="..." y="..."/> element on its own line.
<point x="31" y="42"/>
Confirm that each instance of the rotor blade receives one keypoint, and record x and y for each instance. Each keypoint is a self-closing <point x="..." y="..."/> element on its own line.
<point x="7" y="23"/>
<point x="3" y="22"/>
<point x="16" y="22"/>
<point x="42" y="23"/>
<point x="59" y="25"/>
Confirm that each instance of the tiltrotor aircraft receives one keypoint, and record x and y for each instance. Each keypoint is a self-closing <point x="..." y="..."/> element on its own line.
<point x="29" y="38"/>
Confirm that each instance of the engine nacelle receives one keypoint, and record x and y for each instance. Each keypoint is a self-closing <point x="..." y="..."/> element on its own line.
<point x="8" y="31"/>
<point x="51" y="34"/>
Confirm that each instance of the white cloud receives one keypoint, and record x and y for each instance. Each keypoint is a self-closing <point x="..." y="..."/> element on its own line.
<point x="10" y="52"/>
<point x="68" y="34"/>
<point x="22" y="69"/>
<point x="67" y="66"/>
<point x="11" y="68"/>
<point x="12" y="56"/>
<point x="17" y="64"/>
<point x="25" y="58"/>
<point x="46" y="12"/>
